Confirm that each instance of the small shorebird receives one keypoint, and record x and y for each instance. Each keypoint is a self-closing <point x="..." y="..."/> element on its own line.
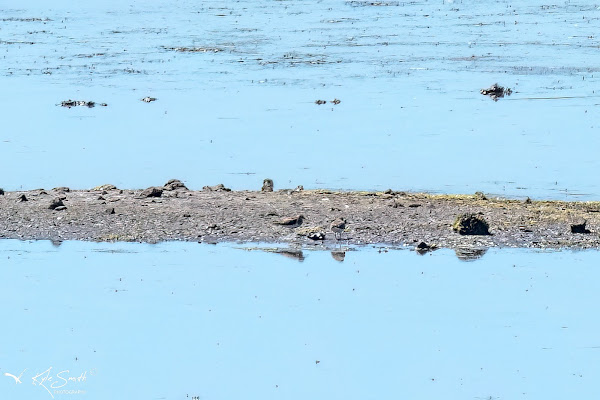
<point x="292" y="222"/>
<point x="338" y="226"/>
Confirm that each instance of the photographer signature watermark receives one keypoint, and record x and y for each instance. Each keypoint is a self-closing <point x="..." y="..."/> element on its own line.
<point x="60" y="382"/>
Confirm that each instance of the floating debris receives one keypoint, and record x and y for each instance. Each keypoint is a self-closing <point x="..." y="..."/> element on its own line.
<point x="196" y="49"/>
<point x="496" y="91"/>
<point x="80" y="103"/>
<point x="373" y="3"/>
<point x="25" y="19"/>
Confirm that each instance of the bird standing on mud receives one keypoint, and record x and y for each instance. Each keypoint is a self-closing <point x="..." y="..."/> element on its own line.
<point x="338" y="226"/>
<point x="292" y="222"/>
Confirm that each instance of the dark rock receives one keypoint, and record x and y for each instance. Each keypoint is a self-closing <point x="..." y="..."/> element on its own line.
<point x="527" y="201"/>
<point x="423" y="248"/>
<point x="110" y="211"/>
<point x="60" y="208"/>
<point x="174" y="184"/>
<point x="496" y="91"/>
<point x="63" y="189"/>
<point x="470" y="224"/>
<point x="22" y="198"/>
<point x="267" y="185"/>
<point x="101" y="198"/>
<point x="217" y="188"/>
<point x="152" y="192"/>
<point x="1" y="192"/>
<point x="56" y="203"/>
<point x="579" y="228"/>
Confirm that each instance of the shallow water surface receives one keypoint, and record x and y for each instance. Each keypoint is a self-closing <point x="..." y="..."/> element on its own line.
<point x="240" y="106"/>
<point x="174" y="320"/>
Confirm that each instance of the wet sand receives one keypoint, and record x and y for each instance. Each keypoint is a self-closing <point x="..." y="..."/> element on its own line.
<point x="392" y="218"/>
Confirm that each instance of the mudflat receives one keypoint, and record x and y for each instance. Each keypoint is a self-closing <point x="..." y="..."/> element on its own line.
<point x="215" y="214"/>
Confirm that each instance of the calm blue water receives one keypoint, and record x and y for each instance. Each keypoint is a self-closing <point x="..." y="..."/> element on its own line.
<point x="408" y="76"/>
<point x="170" y="320"/>
<point x="182" y="320"/>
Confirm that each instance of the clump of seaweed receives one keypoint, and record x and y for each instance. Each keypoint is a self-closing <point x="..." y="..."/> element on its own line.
<point x="470" y="224"/>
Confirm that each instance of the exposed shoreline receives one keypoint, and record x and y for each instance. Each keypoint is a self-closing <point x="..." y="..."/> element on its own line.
<point x="217" y="215"/>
